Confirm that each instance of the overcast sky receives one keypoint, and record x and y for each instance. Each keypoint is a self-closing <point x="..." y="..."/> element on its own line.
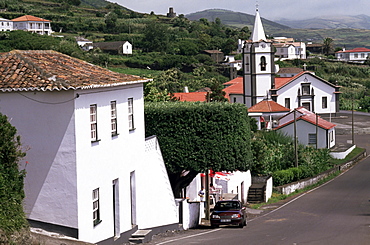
<point x="269" y="9"/>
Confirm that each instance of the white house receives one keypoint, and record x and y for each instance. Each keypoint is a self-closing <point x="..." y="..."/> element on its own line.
<point x="89" y="168"/>
<point x="359" y="55"/>
<point x="32" y="24"/>
<point x="290" y="51"/>
<point x="6" y="25"/>
<point x="84" y="43"/>
<point x="310" y="128"/>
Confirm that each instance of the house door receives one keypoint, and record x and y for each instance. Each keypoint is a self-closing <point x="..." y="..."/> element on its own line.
<point x="133" y="197"/>
<point x="116" y="221"/>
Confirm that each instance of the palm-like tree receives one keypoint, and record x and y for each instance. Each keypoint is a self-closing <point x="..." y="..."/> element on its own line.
<point x="328" y="45"/>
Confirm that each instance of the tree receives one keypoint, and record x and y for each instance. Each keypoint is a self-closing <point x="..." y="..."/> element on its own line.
<point x="328" y="45"/>
<point x="156" y="37"/>
<point x="196" y="137"/>
<point x="12" y="217"/>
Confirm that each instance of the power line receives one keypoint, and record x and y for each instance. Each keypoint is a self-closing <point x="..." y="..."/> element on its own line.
<point x="50" y="103"/>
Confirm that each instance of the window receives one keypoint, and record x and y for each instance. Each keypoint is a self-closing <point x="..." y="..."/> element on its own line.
<point x="362" y="55"/>
<point x="331" y="136"/>
<point x="131" y="114"/>
<point x="31" y="26"/>
<point x="93" y="123"/>
<point x="287" y="103"/>
<point x="356" y="55"/>
<point x="96" y="211"/>
<point x="311" y="139"/>
<point x="263" y="63"/>
<point x="324" y="102"/>
<point x="113" y="113"/>
<point x="305" y="89"/>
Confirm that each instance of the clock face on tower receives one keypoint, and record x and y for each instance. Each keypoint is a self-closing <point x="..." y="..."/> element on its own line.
<point x="263" y="45"/>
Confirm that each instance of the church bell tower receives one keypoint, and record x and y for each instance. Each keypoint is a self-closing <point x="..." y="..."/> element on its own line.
<point x="258" y="65"/>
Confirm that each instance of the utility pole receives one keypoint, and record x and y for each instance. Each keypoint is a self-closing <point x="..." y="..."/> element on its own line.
<point x="295" y="139"/>
<point x="317" y="123"/>
<point x="353" y="127"/>
<point x="207" y="196"/>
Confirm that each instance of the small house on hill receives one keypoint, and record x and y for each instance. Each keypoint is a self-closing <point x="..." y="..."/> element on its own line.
<point x="119" y="47"/>
<point x="216" y="55"/>
<point x="358" y="55"/>
<point x="32" y="24"/>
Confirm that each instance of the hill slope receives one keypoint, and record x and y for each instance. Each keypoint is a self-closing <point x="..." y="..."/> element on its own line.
<point x="235" y="19"/>
<point x="330" y="22"/>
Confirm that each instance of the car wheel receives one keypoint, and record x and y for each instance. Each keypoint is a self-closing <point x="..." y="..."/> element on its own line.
<point x="241" y="225"/>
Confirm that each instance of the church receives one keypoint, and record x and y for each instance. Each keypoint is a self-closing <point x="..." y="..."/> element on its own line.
<point x="304" y="89"/>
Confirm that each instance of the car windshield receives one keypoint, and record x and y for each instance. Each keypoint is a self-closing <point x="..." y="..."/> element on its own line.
<point x="227" y="205"/>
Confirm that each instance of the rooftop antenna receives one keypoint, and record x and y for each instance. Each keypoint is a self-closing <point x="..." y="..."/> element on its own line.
<point x="257" y="6"/>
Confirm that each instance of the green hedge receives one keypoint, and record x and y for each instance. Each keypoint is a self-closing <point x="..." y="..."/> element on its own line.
<point x="200" y="136"/>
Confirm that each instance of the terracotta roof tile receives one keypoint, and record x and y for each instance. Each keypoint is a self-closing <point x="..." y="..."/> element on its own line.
<point x="192" y="96"/>
<point x="29" y="18"/>
<point x="234" y="86"/>
<point x="309" y="117"/>
<point x="50" y="70"/>
<point x="355" y="50"/>
<point x="268" y="106"/>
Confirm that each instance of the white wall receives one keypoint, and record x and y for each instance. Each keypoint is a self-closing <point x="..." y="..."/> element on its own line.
<point x="111" y="158"/>
<point x="47" y="134"/>
<point x="155" y="200"/>
<point x="321" y="89"/>
<point x="239" y="183"/>
<point x="303" y="129"/>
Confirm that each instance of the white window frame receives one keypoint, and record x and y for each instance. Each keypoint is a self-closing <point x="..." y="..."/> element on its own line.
<point x="93" y="123"/>
<point x="113" y="113"/>
<point x="96" y="207"/>
<point x="130" y="104"/>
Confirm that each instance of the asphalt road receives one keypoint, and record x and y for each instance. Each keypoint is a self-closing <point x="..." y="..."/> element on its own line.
<point x="335" y="213"/>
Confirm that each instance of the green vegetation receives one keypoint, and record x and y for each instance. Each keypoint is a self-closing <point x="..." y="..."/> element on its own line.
<point x="196" y="137"/>
<point x="12" y="217"/>
<point x="273" y="153"/>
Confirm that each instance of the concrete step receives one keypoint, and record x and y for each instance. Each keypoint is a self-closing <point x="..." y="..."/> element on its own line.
<point x="141" y="236"/>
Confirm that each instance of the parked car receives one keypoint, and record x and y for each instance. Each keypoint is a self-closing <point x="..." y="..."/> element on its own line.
<point x="229" y="212"/>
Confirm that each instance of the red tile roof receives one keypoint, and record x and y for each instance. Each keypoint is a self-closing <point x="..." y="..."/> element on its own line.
<point x="355" y="50"/>
<point x="234" y="86"/>
<point x="281" y="81"/>
<point x="192" y="96"/>
<point x="49" y="70"/>
<point x="268" y="106"/>
<point x="309" y="117"/>
<point x="29" y="18"/>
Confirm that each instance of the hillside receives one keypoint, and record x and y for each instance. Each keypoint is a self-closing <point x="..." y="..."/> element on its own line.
<point x="235" y="19"/>
<point x="330" y="22"/>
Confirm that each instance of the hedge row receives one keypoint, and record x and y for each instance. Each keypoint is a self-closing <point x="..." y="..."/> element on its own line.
<point x="290" y="175"/>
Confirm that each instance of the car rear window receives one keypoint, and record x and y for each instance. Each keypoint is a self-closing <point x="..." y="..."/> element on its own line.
<point x="227" y="205"/>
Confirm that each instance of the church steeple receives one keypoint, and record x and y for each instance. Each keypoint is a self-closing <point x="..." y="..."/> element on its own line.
<point x="258" y="65"/>
<point x="258" y="31"/>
